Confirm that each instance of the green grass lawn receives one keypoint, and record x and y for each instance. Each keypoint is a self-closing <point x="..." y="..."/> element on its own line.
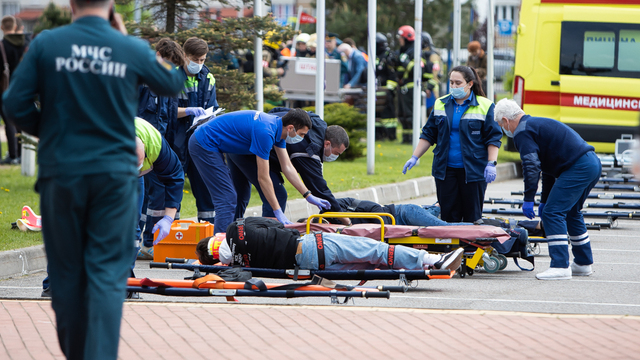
<point x="17" y="190"/>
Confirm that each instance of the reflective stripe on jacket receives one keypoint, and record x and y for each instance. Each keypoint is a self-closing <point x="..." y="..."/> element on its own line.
<point x="477" y="129"/>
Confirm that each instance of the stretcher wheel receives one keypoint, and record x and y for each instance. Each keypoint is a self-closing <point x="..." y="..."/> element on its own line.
<point x="491" y="265"/>
<point x="503" y="261"/>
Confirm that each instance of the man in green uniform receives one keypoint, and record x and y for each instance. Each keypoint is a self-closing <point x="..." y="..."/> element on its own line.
<point x="85" y="76"/>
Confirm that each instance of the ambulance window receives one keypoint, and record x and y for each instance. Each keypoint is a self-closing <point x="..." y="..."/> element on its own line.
<point x="629" y="50"/>
<point x="599" y="49"/>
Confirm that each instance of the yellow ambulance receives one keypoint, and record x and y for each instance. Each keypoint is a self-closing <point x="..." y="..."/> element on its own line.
<point x="578" y="61"/>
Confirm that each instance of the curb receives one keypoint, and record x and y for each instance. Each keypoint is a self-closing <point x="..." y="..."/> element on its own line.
<point x="33" y="259"/>
<point x="22" y="261"/>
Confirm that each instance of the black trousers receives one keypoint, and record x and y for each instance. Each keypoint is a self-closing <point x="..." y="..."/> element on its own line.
<point x="460" y="201"/>
<point x="88" y="226"/>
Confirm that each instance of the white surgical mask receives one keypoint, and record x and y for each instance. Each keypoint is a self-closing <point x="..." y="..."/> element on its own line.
<point x="293" y="140"/>
<point x="331" y="157"/>
<point x="507" y="131"/>
<point x="194" y="68"/>
<point x="458" y="93"/>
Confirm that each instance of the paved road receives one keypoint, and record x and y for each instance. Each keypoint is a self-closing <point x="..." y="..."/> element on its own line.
<point x="508" y="314"/>
<point x="614" y="288"/>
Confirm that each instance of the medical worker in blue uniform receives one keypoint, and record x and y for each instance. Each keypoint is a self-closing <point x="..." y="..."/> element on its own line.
<point x="199" y="94"/>
<point x="570" y="169"/>
<point x="322" y="144"/>
<point x="248" y="132"/>
<point x="468" y="140"/>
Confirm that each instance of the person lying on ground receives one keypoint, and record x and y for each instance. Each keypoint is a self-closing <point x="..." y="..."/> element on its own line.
<point x="411" y="214"/>
<point x="405" y="214"/>
<point x="266" y="243"/>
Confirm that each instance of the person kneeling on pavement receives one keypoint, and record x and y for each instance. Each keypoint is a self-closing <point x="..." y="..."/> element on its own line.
<point x="266" y="243"/>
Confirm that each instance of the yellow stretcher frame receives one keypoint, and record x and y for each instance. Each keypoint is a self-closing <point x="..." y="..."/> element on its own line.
<point x="478" y="255"/>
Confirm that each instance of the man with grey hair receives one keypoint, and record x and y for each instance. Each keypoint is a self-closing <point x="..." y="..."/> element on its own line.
<point x="570" y="169"/>
<point x="356" y="65"/>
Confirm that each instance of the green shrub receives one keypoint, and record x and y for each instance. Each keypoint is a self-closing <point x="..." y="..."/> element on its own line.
<point x="507" y="80"/>
<point x="352" y="121"/>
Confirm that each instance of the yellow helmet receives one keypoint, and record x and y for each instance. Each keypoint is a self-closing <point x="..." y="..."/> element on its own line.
<point x="268" y="42"/>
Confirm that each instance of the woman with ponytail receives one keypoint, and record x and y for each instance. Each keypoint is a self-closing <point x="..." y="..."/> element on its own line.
<point x="468" y="139"/>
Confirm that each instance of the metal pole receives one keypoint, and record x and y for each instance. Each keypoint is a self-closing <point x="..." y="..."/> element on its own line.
<point x="320" y="29"/>
<point x="257" y="61"/>
<point x="371" y="89"/>
<point x="490" y="36"/>
<point x="457" y="13"/>
<point x="137" y="14"/>
<point x="417" y="75"/>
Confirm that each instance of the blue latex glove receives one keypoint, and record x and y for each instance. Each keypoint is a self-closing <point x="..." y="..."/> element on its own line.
<point x="320" y="203"/>
<point x="540" y="207"/>
<point x="409" y="164"/>
<point x="195" y="111"/>
<point x="490" y="173"/>
<point x="280" y="216"/>
<point x="527" y="209"/>
<point x="163" y="227"/>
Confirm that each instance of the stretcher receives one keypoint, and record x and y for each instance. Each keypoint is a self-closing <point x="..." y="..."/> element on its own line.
<point x="404" y="276"/>
<point x="629" y="196"/>
<point x="613" y="215"/>
<point x="476" y="240"/>
<point x="213" y="285"/>
<point x="625" y="180"/>
<point x="598" y="205"/>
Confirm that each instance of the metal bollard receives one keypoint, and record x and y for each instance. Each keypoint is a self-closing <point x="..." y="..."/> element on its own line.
<point x="29" y="147"/>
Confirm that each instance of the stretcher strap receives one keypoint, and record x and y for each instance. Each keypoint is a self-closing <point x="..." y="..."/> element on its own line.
<point x="320" y="247"/>
<point x="249" y="284"/>
<point x="240" y="243"/>
<point x="391" y="256"/>
<point x="209" y="277"/>
<point x="529" y="259"/>
<point x="219" y="282"/>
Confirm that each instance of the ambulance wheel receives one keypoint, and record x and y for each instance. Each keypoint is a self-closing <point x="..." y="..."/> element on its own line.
<point x="503" y="261"/>
<point x="491" y="264"/>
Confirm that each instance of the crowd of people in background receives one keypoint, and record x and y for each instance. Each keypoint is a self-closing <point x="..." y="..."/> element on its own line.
<point x="393" y="70"/>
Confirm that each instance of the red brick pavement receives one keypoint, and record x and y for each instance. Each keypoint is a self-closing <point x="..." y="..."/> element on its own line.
<point x="221" y="331"/>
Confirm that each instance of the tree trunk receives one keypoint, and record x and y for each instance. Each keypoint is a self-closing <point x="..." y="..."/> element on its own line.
<point x="171" y="16"/>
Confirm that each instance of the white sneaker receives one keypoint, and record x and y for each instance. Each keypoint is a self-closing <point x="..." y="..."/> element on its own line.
<point x="581" y="270"/>
<point x="555" y="274"/>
